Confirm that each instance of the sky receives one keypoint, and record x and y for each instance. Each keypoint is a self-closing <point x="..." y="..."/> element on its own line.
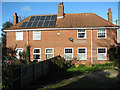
<point x="25" y="9"/>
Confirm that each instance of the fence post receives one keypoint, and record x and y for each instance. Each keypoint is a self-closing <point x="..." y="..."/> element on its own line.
<point x="21" y="77"/>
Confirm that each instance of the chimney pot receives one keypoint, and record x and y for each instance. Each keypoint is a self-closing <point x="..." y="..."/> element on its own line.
<point x="109" y="10"/>
<point x="61" y="3"/>
<point x="15" y="13"/>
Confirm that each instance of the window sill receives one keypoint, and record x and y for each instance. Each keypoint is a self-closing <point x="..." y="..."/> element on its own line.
<point x="102" y="60"/>
<point x="82" y="60"/>
<point x="81" y="38"/>
<point x="101" y="38"/>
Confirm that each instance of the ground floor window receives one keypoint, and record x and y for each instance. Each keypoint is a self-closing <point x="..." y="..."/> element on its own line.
<point x="68" y="53"/>
<point x="102" y="53"/>
<point x="36" y="54"/>
<point x="18" y="50"/>
<point x="49" y="53"/>
<point x="82" y="54"/>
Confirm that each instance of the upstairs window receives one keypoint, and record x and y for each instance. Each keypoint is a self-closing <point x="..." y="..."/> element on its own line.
<point x="81" y="34"/>
<point x="102" y="53"/>
<point x="49" y="53"/>
<point x="68" y="53"/>
<point x="36" y="35"/>
<point x="19" y="35"/>
<point x="36" y="54"/>
<point x="82" y="54"/>
<point x="101" y="33"/>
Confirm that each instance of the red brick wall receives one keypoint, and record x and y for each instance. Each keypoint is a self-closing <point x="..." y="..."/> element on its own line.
<point x="49" y="39"/>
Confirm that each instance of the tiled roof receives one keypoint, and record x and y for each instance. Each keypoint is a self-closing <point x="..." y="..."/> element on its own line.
<point x="74" y="21"/>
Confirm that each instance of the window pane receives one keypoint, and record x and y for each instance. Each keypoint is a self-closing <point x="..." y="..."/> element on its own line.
<point x="36" y="35"/>
<point x="81" y="30"/>
<point x="101" y="33"/>
<point x="101" y="30"/>
<point x="36" y="50"/>
<point x="19" y="35"/>
<point x="101" y="56"/>
<point x="101" y="50"/>
<point x="68" y="50"/>
<point x="48" y="56"/>
<point x="81" y="50"/>
<point x="81" y="35"/>
<point x="68" y="56"/>
<point x="17" y="52"/>
<point x="49" y="50"/>
<point x="36" y="56"/>
<point x="81" y="56"/>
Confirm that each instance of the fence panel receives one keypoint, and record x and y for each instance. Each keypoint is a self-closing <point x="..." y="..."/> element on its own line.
<point x="24" y="75"/>
<point x="45" y="67"/>
<point x="38" y="70"/>
<point x="27" y="74"/>
<point x="15" y="77"/>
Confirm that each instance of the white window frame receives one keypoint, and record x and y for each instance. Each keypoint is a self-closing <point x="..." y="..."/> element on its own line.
<point x="35" y="34"/>
<point x="65" y="53"/>
<point x="17" y="37"/>
<point x="102" y="53"/>
<point x="81" y="32"/>
<point x="85" y="52"/>
<point x="17" y="54"/>
<point x="101" y="32"/>
<point x="49" y="53"/>
<point x="37" y="53"/>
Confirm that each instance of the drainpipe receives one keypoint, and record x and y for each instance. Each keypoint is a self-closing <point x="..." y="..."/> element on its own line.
<point x="27" y="37"/>
<point x="91" y="47"/>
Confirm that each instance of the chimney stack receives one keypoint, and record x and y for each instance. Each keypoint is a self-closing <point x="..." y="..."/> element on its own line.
<point x="15" y="19"/>
<point x="109" y="15"/>
<point x="60" y="10"/>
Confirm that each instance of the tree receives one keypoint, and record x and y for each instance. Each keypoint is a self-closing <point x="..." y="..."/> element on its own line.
<point x="6" y="25"/>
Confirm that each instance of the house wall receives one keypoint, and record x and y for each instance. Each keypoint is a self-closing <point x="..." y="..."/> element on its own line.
<point x="49" y="39"/>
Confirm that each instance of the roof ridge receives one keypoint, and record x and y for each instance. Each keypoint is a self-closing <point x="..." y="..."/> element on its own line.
<point x="44" y="15"/>
<point x="80" y="13"/>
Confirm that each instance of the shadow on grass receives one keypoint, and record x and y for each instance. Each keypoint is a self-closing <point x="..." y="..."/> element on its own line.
<point x="95" y="80"/>
<point x="52" y="78"/>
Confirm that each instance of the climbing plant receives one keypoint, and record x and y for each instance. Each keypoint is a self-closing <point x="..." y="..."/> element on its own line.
<point x="28" y="54"/>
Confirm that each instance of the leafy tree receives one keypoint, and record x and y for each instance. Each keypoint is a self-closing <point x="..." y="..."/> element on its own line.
<point x="6" y="25"/>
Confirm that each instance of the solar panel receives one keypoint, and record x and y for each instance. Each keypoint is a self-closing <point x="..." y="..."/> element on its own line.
<point x="48" y="17"/>
<point x="37" y="18"/>
<point x="40" y="21"/>
<point x="24" y="24"/>
<point x="40" y="24"/>
<point x="46" y="23"/>
<point x="53" y="17"/>
<point x="52" y="24"/>
<point x="34" y="24"/>
<point x="42" y="18"/>
<point x="29" y="24"/>
<point x="32" y="18"/>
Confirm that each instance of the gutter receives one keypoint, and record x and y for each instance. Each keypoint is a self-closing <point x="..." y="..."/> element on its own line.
<point x="14" y="30"/>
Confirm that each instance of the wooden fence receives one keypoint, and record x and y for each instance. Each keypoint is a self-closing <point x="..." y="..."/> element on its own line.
<point x="24" y="75"/>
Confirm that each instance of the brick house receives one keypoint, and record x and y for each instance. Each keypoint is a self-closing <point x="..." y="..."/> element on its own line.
<point x="85" y="36"/>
